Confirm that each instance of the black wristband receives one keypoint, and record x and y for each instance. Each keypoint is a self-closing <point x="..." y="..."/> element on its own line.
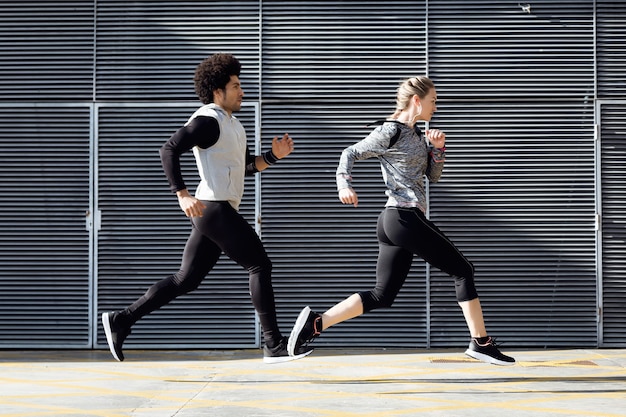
<point x="270" y="158"/>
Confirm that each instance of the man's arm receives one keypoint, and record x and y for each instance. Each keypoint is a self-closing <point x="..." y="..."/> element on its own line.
<point x="280" y="149"/>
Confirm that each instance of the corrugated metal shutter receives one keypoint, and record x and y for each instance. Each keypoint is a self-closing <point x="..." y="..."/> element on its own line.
<point x="516" y="100"/>
<point x="143" y="233"/>
<point x="613" y="180"/>
<point x="46" y="50"/>
<point x="611" y="50"/>
<point x="148" y="50"/>
<point x="516" y="96"/>
<point x="46" y="54"/>
<point x="44" y="245"/>
<point x="329" y="69"/>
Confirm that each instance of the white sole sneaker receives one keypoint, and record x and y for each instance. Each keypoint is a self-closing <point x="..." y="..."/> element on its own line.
<point x="297" y="328"/>
<point x="486" y="358"/>
<point x="106" y="323"/>
<point x="281" y="359"/>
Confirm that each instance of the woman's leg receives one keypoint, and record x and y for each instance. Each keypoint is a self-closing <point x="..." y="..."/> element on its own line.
<point x="392" y="268"/>
<point x="353" y="307"/>
<point x="434" y="247"/>
<point x="345" y="310"/>
<point x="402" y="233"/>
<point x="473" y="314"/>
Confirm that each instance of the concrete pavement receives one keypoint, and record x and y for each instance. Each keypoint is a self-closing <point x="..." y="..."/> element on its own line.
<point x="328" y="383"/>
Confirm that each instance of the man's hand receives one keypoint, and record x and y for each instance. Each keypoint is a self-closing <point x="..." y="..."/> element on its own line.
<point x="282" y="147"/>
<point x="189" y="204"/>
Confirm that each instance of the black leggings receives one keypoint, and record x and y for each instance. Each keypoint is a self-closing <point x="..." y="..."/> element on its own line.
<point x="403" y="233"/>
<point x="220" y="229"/>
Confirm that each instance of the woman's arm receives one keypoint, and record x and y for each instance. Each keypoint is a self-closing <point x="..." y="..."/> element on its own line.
<point x="374" y="145"/>
<point x="437" y="154"/>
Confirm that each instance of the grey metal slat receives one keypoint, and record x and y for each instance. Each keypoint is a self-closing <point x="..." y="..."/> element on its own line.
<point x="325" y="70"/>
<point x="334" y="67"/>
<point x="148" y="50"/>
<point x="613" y="178"/>
<point x="46" y="50"/>
<point x="143" y="234"/>
<point x="517" y="195"/>
<point x="44" y="247"/>
<point x="496" y="50"/>
<point x="611" y="51"/>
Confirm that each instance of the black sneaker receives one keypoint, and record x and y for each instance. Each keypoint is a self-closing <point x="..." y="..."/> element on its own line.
<point x="115" y="333"/>
<point x="308" y="326"/>
<point x="488" y="352"/>
<point x="279" y="354"/>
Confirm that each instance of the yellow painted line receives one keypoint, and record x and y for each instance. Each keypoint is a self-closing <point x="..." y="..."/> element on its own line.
<point x="59" y="411"/>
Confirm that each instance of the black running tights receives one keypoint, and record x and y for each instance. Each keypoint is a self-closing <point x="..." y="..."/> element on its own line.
<point x="403" y="233"/>
<point x="220" y="229"/>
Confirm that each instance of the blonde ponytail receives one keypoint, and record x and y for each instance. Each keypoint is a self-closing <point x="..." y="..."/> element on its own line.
<point x="419" y="86"/>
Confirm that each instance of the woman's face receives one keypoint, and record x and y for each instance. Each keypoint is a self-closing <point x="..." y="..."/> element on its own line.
<point x="427" y="106"/>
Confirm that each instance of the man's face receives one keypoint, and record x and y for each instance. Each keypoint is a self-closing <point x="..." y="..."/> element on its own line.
<point x="230" y="98"/>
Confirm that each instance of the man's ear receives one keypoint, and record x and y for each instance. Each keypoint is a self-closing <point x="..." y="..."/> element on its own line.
<point x="218" y="95"/>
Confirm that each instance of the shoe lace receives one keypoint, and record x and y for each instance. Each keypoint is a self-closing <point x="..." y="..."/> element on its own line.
<point x="494" y="343"/>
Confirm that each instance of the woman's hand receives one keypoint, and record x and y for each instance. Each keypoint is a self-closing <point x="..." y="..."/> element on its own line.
<point x="436" y="137"/>
<point x="348" y="196"/>
<point x="282" y="147"/>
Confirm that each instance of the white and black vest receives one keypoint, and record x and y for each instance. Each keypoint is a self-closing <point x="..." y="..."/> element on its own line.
<point x="221" y="166"/>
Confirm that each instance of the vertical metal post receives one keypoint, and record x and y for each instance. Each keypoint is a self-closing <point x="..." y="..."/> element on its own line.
<point x="258" y="147"/>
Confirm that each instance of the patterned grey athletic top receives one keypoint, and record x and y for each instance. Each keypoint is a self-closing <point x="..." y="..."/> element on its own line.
<point x="403" y="164"/>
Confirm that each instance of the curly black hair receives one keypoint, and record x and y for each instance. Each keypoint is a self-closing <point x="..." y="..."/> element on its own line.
<point x="214" y="73"/>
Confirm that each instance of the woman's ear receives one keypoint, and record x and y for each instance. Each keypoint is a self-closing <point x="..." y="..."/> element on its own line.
<point x="418" y="104"/>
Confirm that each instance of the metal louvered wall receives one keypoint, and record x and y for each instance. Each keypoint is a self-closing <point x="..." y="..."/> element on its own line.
<point x="517" y="194"/>
<point x="613" y="185"/>
<point x="91" y="90"/>
<point x="611" y="156"/>
<point x="329" y="69"/>
<point x="46" y="59"/>
<point x="45" y="293"/>
<point x="149" y="49"/>
<point x="47" y="50"/>
<point x="143" y="233"/>
<point x="611" y="50"/>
